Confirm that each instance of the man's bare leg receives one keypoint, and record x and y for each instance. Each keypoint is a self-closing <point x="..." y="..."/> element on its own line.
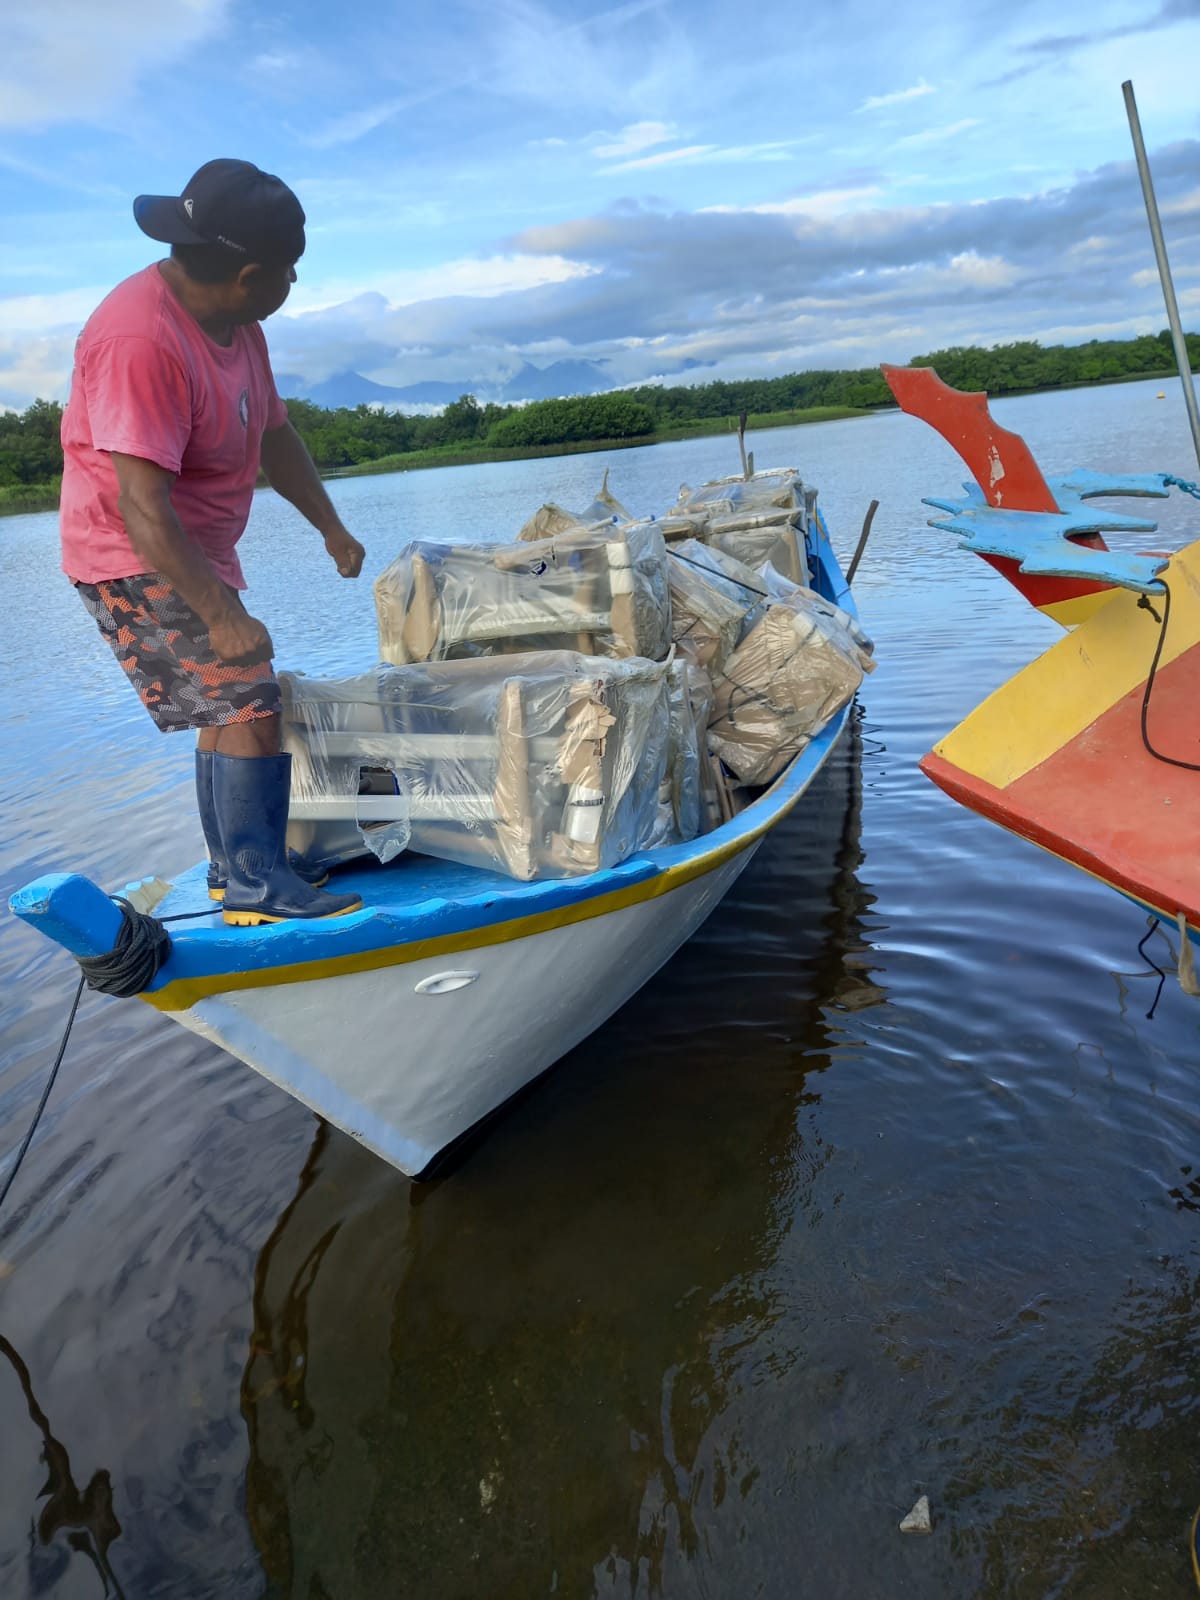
<point x="247" y="739"/>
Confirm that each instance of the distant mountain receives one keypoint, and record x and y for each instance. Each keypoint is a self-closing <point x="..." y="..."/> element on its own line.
<point x="436" y="393"/>
<point x="352" y="389"/>
<point x="560" y="378"/>
<point x="528" y="383"/>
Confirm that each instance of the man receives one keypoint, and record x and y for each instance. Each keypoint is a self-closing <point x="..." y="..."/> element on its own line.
<point x="172" y="410"/>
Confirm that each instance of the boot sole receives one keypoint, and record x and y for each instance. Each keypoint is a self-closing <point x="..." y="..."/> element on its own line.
<point x="255" y="919"/>
<point x="314" y="883"/>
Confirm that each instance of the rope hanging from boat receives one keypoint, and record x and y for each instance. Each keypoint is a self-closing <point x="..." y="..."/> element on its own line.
<point x="142" y="946"/>
<point x="1171" y="761"/>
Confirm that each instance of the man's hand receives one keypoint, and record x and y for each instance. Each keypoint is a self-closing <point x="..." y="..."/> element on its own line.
<point x="346" y="551"/>
<point x="290" y="472"/>
<point x="240" y="638"/>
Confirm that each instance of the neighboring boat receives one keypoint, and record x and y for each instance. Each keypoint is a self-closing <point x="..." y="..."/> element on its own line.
<point x="408" y="1022"/>
<point x="1093" y="751"/>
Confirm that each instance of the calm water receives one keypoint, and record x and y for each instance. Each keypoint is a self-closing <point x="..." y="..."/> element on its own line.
<point x="884" y="1186"/>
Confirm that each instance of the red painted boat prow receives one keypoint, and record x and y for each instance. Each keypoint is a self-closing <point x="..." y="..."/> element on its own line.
<point x="1009" y="478"/>
<point x="1001" y="462"/>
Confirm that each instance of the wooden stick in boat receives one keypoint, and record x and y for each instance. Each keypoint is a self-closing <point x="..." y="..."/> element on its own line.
<point x="723" y="800"/>
<point x="862" y="542"/>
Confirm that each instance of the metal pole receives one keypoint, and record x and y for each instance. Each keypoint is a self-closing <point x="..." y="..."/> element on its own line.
<point x="1164" y="269"/>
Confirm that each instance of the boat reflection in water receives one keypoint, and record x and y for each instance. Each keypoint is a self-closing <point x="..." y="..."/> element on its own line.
<point x="514" y="1380"/>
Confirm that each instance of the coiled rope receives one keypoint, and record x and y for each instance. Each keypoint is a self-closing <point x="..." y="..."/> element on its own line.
<point x="143" y="944"/>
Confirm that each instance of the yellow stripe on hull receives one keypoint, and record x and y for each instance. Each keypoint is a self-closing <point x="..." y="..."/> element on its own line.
<point x="1061" y="693"/>
<point x="1070" y="613"/>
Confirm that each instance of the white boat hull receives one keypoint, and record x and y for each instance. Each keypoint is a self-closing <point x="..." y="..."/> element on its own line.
<point x="408" y="1057"/>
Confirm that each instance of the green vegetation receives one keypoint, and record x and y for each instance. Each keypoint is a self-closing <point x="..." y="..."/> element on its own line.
<point x="30" y="458"/>
<point x="365" y="439"/>
<point x="595" y="416"/>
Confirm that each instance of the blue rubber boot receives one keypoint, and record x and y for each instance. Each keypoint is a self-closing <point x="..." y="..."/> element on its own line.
<point x="250" y="799"/>
<point x="218" y="871"/>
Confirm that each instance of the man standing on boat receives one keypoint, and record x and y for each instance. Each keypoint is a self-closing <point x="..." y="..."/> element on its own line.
<point x="173" y="409"/>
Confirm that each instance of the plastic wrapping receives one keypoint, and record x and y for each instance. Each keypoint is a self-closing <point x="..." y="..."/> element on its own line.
<point x="799" y="664"/>
<point x="755" y="539"/>
<point x="707" y="611"/>
<point x="742" y="584"/>
<point x="549" y="765"/>
<point x="693" y="805"/>
<point x="775" y="486"/>
<point x="756" y="520"/>
<point x="550" y="518"/>
<point x="601" y="592"/>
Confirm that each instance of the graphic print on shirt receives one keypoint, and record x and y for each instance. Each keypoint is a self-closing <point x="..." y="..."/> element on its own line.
<point x="244" y="407"/>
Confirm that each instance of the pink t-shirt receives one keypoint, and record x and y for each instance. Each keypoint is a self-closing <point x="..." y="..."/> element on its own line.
<point x="149" y="382"/>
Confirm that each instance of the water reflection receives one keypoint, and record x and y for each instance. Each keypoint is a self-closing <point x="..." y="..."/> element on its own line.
<point x="86" y="1517"/>
<point x="506" y="1383"/>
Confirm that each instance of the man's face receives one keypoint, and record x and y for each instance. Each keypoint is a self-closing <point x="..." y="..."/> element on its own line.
<point x="261" y="291"/>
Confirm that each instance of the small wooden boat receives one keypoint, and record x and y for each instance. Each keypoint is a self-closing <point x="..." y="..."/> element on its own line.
<point x="410" y="1021"/>
<point x="1092" y="751"/>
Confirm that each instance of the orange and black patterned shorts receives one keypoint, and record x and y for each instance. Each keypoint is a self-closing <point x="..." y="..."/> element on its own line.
<point x="163" y="648"/>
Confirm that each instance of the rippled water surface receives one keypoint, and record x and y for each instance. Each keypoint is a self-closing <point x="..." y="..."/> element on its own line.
<point x="884" y="1186"/>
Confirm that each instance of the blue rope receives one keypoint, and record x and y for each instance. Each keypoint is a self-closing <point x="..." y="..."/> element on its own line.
<point x="1171" y="482"/>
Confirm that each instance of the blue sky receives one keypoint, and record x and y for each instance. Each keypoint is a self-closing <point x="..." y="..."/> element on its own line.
<point x="667" y="187"/>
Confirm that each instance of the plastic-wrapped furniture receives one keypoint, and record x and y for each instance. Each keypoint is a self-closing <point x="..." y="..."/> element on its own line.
<point x="551" y="518"/>
<point x="755" y="520"/>
<point x="547" y="765"/>
<point x="601" y="592"/>
<point x="799" y="664"/>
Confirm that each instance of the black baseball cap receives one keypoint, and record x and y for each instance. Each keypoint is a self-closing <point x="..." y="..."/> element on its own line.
<point x="232" y="203"/>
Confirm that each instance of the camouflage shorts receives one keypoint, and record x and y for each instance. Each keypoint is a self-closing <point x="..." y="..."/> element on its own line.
<point x="163" y="648"/>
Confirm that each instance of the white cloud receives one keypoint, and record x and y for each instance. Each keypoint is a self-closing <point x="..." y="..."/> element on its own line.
<point x="34" y="367"/>
<point x="875" y="101"/>
<point x="274" y="62"/>
<point x="937" y="135"/>
<point x="355" y="124"/>
<point x="1148" y="276"/>
<point x="472" y="278"/>
<point x="76" y="59"/>
<point x="982" y="272"/>
<point x="21" y="313"/>
<point x="693" y="154"/>
<point x="825" y="203"/>
<point x="1188" y="205"/>
<point x="637" y="136"/>
<point x="664" y="158"/>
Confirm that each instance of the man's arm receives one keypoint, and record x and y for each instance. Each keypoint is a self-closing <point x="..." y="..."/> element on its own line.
<point x="156" y="535"/>
<point x="291" y="473"/>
